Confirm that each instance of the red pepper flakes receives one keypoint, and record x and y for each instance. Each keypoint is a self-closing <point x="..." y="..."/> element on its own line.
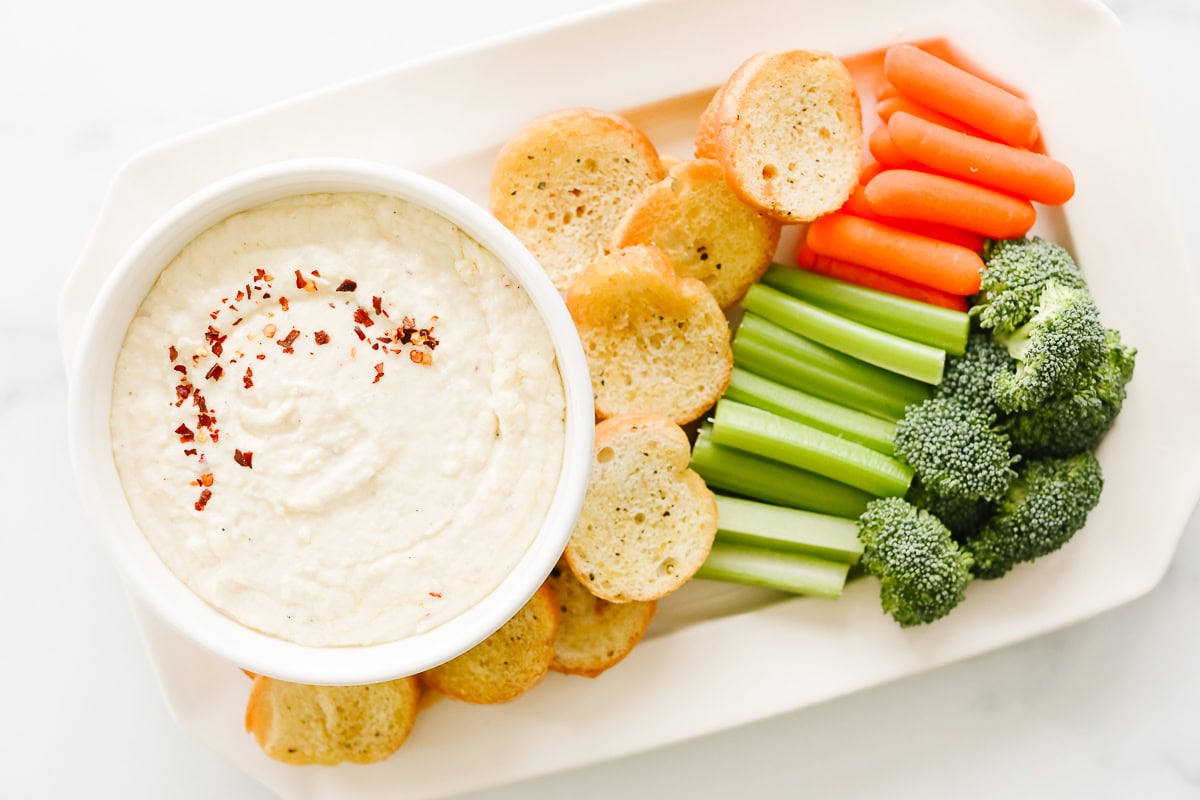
<point x="359" y="332"/>
<point x="183" y="391"/>
<point x="181" y="369"/>
<point x="199" y="401"/>
<point x="248" y="378"/>
<point x="185" y="434"/>
<point x="347" y="285"/>
<point x="215" y="314"/>
<point x="321" y="337"/>
<point x="205" y="420"/>
<point x="378" y="372"/>
<point x="206" y="479"/>
<point x="420" y="357"/>
<point x="266" y="295"/>
<point x="435" y="594"/>
<point x="216" y="435"/>
<point x="289" y="340"/>
<point x="237" y="321"/>
<point x="377" y="304"/>
<point x="244" y="459"/>
<point x="363" y="318"/>
<point x="315" y="273"/>
<point x="191" y="451"/>
<point x="261" y="356"/>
<point x="215" y="372"/>
<point x="240" y="296"/>
<point x="304" y="283"/>
<point x="173" y="353"/>
<point x="283" y="302"/>
<point x="205" y="496"/>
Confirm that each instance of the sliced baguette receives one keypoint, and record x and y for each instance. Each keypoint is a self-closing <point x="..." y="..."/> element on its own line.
<point x="301" y="724"/>
<point x="655" y="342"/>
<point x="706" y="231"/>
<point x="648" y="521"/>
<point x="788" y="133"/>
<point x="710" y="126"/>
<point x="593" y="634"/>
<point x="506" y="664"/>
<point x="563" y="182"/>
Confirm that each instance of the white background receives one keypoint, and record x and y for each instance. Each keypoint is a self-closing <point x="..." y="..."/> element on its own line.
<point x="1106" y="709"/>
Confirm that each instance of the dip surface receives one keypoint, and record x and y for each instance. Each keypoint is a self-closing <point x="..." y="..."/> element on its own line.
<point x="338" y="419"/>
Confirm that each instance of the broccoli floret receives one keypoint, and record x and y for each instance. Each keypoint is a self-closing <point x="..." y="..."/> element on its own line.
<point x="1060" y="343"/>
<point x="969" y="377"/>
<point x="922" y="572"/>
<point x="957" y="451"/>
<point x="962" y="517"/>
<point x="1047" y="503"/>
<point x="1016" y="271"/>
<point x="1077" y="421"/>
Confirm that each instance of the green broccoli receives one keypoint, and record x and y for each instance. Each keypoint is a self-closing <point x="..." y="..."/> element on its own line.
<point x="963" y="517"/>
<point x="969" y="377"/>
<point x="1016" y="271"/>
<point x="922" y="572"/>
<point x="957" y="451"/>
<point x="1047" y="503"/>
<point x="1061" y="342"/>
<point x="1077" y="421"/>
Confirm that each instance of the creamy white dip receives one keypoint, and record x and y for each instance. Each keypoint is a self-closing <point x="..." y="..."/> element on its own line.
<point x="386" y="492"/>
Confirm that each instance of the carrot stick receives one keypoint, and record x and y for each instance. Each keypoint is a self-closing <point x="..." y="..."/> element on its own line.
<point x="891" y="105"/>
<point x="948" y="201"/>
<point x="885" y="152"/>
<point x="940" y="85"/>
<point x="916" y="258"/>
<point x="999" y="166"/>
<point x="874" y="279"/>
<point x="859" y="207"/>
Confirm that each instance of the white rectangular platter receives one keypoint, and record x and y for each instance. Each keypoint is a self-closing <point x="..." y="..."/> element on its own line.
<point x="657" y="62"/>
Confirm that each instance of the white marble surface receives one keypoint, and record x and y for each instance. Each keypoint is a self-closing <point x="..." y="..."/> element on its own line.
<point x="1105" y="709"/>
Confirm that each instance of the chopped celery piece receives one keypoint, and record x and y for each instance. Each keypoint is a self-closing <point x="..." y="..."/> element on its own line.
<point x="766" y="349"/>
<point x="791" y="572"/>
<point x="875" y="433"/>
<point x="772" y="436"/>
<point x="770" y="481"/>
<point x="787" y="529"/>
<point x="912" y="319"/>
<point x="883" y="349"/>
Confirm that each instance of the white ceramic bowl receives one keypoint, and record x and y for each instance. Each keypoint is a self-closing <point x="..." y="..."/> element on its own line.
<point x="91" y="446"/>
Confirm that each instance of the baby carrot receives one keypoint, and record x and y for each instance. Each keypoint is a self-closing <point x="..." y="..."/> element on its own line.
<point x="999" y="166"/>
<point x="859" y="207"/>
<point x="885" y="151"/>
<point x="891" y="105"/>
<point x="940" y="85"/>
<point x="874" y="279"/>
<point x="938" y="264"/>
<point x="948" y="201"/>
<point x="884" y="90"/>
<point x="871" y="168"/>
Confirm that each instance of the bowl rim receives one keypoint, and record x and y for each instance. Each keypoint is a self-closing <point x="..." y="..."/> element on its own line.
<point x="90" y="443"/>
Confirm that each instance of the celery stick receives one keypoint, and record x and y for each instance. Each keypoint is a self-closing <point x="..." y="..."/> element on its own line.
<point x="772" y="482"/>
<point x="921" y="322"/>
<point x="877" y="434"/>
<point x="791" y="572"/>
<point x="883" y="349"/>
<point x="784" y="357"/>
<point x="772" y="436"/>
<point x="787" y="530"/>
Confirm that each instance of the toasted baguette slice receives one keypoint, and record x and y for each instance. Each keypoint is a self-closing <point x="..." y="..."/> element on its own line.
<point x="563" y="182"/>
<point x="509" y="662"/>
<point x="593" y="634"/>
<point x="707" y="232"/>
<point x="710" y="126"/>
<point x="300" y="724"/>
<point x="655" y="342"/>
<point x="789" y="134"/>
<point x="648" y="521"/>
